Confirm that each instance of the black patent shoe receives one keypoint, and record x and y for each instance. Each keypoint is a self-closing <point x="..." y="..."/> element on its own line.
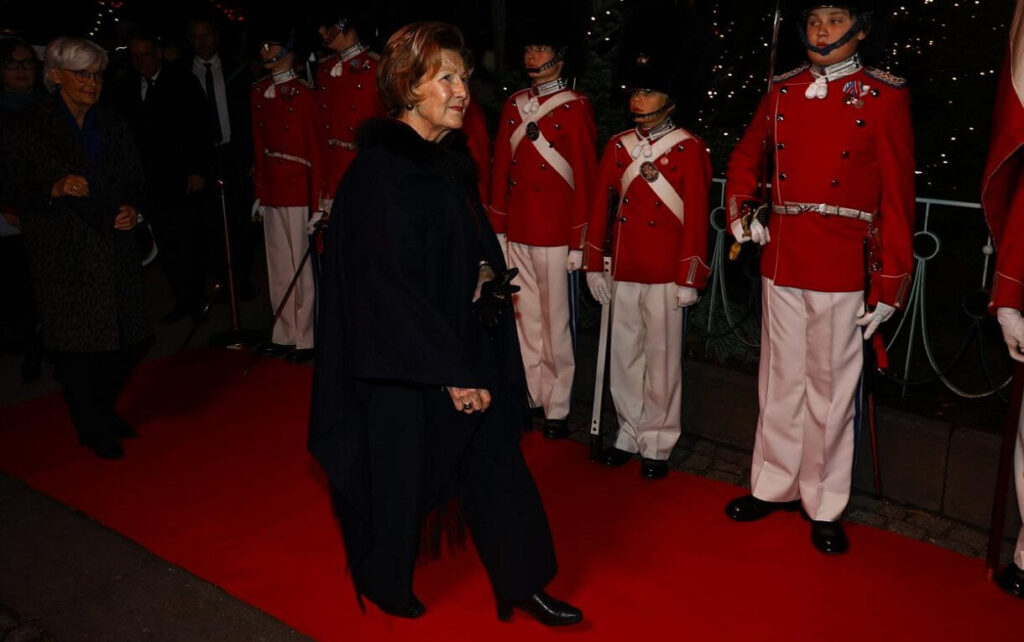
<point x="749" y="508"/>
<point x="543" y="608"/>
<point x="123" y="429"/>
<point x="107" y="449"/>
<point x="556" y="428"/>
<point x="654" y="469"/>
<point x="410" y="609"/>
<point x="274" y="349"/>
<point x="829" y="537"/>
<point x="301" y="355"/>
<point x="1011" y="580"/>
<point x="614" y="457"/>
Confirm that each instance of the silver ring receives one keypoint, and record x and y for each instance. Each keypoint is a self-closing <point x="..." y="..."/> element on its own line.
<point x="466" y="405"/>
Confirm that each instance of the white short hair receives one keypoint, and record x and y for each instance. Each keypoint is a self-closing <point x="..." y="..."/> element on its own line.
<point x="73" y="54"/>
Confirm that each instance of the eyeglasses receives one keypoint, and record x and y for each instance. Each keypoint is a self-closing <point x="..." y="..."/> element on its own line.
<point x="84" y="76"/>
<point x="28" y="64"/>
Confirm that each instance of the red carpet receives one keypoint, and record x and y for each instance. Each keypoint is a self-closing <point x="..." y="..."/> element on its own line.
<point x="220" y="483"/>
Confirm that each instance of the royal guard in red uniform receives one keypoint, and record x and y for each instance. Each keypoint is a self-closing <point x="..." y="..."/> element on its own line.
<point x="660" y="175"/>
<point x="544" y="162"/>
<point x="842" y="203"/>
<point x="474" y="126"/>
<point x="346" y="83"/>
<point x="288" y="188"/>
<point x="1002" y="198"/>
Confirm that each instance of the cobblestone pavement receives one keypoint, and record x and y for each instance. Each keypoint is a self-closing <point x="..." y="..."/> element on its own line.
<point x="13" y="628"/>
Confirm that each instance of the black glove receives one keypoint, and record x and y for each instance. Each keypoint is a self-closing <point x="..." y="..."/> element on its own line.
<point x="494" y="296"/>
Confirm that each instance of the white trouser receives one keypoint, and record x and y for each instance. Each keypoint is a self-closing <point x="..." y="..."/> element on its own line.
<point x="811" y="361"/>
<point x="284" y="229"/>
<point x="542" y="318"/>
<point x="645" y="371"/>
<point x="1018" y="480"/>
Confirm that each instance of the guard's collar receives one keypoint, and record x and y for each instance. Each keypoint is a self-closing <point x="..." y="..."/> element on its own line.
<point x="657" y="132"/>
<point x="352" y="52"/>
<point x="548" y="88"/>
<point x="283" y="76"/>
<point x="839" y="70"/>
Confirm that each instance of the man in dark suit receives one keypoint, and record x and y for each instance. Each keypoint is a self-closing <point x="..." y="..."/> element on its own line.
<point x="226" y="85"/>
<point x="167" y="112"/>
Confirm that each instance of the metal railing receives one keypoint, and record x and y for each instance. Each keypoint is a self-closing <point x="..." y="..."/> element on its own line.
<point x="911" y="333"/>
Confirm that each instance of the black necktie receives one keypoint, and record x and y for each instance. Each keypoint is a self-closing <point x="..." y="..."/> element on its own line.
<point x="211" y="101"/>
<point x="149" y="88"/>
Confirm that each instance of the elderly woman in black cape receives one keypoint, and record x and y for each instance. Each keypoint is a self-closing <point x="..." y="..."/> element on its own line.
<point x="419" y="386"/>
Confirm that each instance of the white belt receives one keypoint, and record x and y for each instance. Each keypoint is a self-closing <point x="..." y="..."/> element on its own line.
<point x="288" y="157"/>
<point x="824" y="210"/>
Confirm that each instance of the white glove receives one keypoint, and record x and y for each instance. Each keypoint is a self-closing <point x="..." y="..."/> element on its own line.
<point x="871" y="321"/>
<point x="1013" y="331"/>
<point x="575" y="260"/>
<point x="257" y="215"/>
<point x="597" y="282"/>
<point x="314" y="218"/>
<point x="685" y="296"/>
<point x="737" y="231"/>
<point x="759" y="233"/>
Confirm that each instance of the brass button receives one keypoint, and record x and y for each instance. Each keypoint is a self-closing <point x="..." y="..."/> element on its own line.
<point x="845" y="153"/>
<point x="622" y="220"/>
<point x="782" y="177"/>
<point x="860" y="123"/>
<point x="781" y="146"/>
<point x="835" y="182"/>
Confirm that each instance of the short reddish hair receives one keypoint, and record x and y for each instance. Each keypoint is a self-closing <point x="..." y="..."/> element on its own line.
<point x="411" y="54"/>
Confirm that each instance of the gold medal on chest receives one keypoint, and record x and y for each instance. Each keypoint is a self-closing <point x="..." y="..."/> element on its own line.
<point x="649" y="171"/>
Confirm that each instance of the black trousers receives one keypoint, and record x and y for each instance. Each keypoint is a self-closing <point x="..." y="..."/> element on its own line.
<point x="180" y="234"/>
<point x="238" y="200"/>
<point x="421" y="450"/>
<point x="92" y="383"/>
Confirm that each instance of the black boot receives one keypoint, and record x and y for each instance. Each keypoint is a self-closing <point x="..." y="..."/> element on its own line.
<point x="556" y="428"/>
<point x="1011" y="580"/>
<point x="614" y="457"/>
<point x="749" y="508"/>
<point x="543" y="608"/>
<point x="829" y="537"/>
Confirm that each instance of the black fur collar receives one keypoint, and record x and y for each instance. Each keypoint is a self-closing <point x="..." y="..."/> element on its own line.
<point x="449" y="157"/>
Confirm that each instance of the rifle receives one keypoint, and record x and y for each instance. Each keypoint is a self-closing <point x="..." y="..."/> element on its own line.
<point x="602" y="339"/>
<point x="752" y="211"/>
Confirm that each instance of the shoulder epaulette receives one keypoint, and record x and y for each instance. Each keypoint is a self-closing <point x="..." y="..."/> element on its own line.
<point x="886" y="77"/>
<point x="792" y="72"/>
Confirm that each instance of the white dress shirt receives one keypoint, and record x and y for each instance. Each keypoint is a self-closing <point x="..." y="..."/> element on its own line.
<point x="219" y="90"/>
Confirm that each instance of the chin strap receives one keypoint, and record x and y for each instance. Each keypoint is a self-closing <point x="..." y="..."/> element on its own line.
<point x="863" y="22"/>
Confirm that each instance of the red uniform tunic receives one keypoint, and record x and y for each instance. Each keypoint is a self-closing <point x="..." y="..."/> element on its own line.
<point x="853" y="149"/>
<point x="479" y="142"/>
<point x="346" y="96"/>
<point x="286" y="155"/>
<point x="530" y="200"/>
<point x="650" y="244"/>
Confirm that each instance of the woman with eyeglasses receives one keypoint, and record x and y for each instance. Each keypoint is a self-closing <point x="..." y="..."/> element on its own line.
<point x="72" y="172"/>
<point x="19" y="75"/>
<point x="19" y="90"/>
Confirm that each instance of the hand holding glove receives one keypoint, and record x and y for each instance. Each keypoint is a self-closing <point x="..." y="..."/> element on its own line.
<point x="494" y="296"/>
<point x="1013" y="331"/>
<point x="597" y="282"/>
<point x="685" y="296"/>
<point x="871" y="320"/>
